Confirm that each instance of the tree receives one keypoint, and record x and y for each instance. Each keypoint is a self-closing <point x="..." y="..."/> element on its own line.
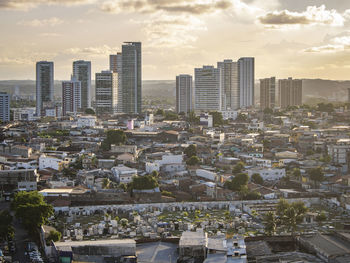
<point x="171" y="116"/>
<point x="268" y="111"/>
<point x="316" y="174"/>
<point x="116" y="137"/>
<point x="266" y="144"/>
<point x="296" y="173"/>
<point x="238" y="168"/>
<point x="270" y="223"/>
<point x="194" y="160"/>
<point x="192" y="118"/>
<point x="326" y="158"/>
<point x="155" y="173"/>
<point x="160" y="112"/>
<point x="257" y="179"/>
<point x="240" y="180"/>
<point x="191" y="151"/>
<point x="217" y="118"/>
<point x="6" y="228"/>
<point x="241" y="117"/>
<point x="325" y="107"/>
<point x="143" y="182"/>
<point x="124" y="222"/>
<point x="54" y="236"/>
<point x="31" y="208"/>
<point x="123" y="187"/>
<point x="251" y="195"/>
<point x="106" y="183"/>
<point x="290" y="215"/>
<point x="321" y="217"/>
<point x="89" y="111"/>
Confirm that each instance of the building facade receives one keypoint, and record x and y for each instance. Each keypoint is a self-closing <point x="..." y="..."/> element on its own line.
<point x="208" y="88"/>
<point x="290" y="92"/>
<point x="82" y="73"/>
<point x="267" y="93"/>
<point x="246" y="76"/>
<point x="71" y="96"/>
<point x="44" y="85"/>
<point x="131" y="77"/>
<point x="106" y="92"/>
<point x="184" y="94"/>
<point x="4" y="107"/>
<point x="115" y="65"/>
<point x="230" y="95"/>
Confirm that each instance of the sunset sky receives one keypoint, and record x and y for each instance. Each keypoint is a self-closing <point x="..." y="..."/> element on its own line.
<point x="298" y="38"/>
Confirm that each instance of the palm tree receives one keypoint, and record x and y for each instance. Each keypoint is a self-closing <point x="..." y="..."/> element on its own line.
<point x="270" y="223"/>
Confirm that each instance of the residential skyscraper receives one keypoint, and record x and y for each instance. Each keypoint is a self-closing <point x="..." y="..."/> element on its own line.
<point x="44" y="85"/>
<point x="71" y="96"/>
<point x="115" y="65"/>
<point x="230" y="84"/>
<point x="131" y="77"/>
<point x="106" y="92"/>
<point x="184" y="93"/>
<point x="82" y="73"/>
<point x="290" y="92"/>
<point x="4" y="107"/>
<point x="246" y="79"/>
<point x="267" y="93"/>
<point x="208" y="89"/>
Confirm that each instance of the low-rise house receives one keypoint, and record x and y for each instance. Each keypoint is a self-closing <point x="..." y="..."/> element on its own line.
<point x="121" y="149"/>
<point x="124" y="174"/>
<point x="53" y="161"/>
<point x="208" y="175"/>
<point x="86" y="121"/>
<point x="269" y="174"/>
<point x="121" y="250"/>
<point x="22" y="179"/>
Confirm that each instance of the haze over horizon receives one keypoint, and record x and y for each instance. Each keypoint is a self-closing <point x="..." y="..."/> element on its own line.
<point x="286" y="37"/>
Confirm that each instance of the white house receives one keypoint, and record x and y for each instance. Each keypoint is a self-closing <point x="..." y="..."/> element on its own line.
<point x="150" y="167"/>
<point x="206" y="174"/>
<point x="86" y="121"/>
<point x="171" y="159"/>
<point x="54" y="162"/>
<point x="269" y="174"/>
<point x="262" y="162"/>
<point x="123" y="173"/>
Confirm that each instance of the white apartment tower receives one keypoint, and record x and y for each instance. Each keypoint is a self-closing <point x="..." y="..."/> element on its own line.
<point x="44" y="85"/>
<point x="184" y="93"/>
<point x="115" y="65"/>
<point x="82" y="73"/>
<point x="246" y="81"/>
<point x="106" y="92"/>
<point x="208" y="88"/>
<point x="230" y="85"/>
<point x="71" y="96"/>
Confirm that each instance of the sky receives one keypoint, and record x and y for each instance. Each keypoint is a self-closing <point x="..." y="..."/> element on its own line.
<point x="297" y="38"/>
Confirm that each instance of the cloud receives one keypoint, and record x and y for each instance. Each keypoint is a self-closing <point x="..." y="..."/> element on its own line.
<point x="170" y="31"/>
<point x="27" y="4"/>
<point x="337" y="44"/>
<point x="50" y="34"/>
<point x="171" y="6"/>
<point x="15" y="61"/>
<point x="53" y="21"/>
<point x="312" y="16"/>
<point x="104" y="50"/>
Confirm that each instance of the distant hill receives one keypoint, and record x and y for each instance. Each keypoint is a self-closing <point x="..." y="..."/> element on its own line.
<point x="313" y="88"/>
